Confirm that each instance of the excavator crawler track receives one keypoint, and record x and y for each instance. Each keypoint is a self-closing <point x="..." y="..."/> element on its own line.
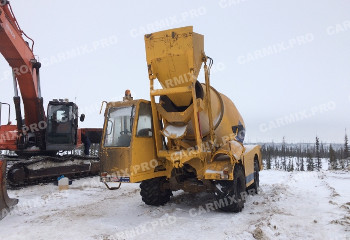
<point x="45" y="169"/>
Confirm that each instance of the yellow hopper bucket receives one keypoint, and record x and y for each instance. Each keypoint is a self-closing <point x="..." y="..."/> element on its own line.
<point x="175" y="56"/>
<point x="6" y="203"/>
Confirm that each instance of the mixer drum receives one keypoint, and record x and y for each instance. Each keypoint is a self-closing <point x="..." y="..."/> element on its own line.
<point x="226" y="118"/>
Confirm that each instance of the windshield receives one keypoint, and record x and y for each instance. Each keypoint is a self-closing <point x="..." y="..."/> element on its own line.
<point x="60" y="117"/>
<point x="60" y="113"/>
<point x="119" y="127"/>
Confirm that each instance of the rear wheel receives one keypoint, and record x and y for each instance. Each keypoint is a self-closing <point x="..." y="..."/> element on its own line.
<point x="230" y="194"/>
<point x="153" y="193"/>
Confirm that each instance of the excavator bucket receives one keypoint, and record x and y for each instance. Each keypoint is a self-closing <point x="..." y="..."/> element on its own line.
<point x="6" y="203"/>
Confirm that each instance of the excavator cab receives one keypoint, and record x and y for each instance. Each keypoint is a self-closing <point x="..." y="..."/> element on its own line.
<point x="62" y="125"/>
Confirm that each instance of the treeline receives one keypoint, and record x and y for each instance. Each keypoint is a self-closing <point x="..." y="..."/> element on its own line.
<point x="306" y="157"/>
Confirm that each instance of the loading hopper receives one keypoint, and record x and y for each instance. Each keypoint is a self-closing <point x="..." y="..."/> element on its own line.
<point x="175" y="57"/>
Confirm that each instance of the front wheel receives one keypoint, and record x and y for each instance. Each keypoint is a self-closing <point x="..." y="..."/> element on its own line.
<point x="153" y="193"/>
<point x="230" y="194"/>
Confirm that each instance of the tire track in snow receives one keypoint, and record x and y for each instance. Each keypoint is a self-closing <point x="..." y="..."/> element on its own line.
<point x="344" y="220"/>
<point x="295" y="208"/>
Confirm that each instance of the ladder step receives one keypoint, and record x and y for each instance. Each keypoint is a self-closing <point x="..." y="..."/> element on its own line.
<point x="169" y="91"/>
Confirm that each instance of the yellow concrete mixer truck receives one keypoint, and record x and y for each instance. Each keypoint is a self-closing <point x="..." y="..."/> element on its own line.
<point x="188" y="137"/>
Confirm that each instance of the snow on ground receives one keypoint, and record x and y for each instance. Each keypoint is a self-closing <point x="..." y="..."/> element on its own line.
<point x="297" y="205"/>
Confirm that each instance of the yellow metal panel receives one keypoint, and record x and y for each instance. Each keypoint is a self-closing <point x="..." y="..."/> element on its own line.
<point x="149" y="175"/>
<point x="175" y="57"/>
<point x="180" y="117"/>
<point x="143" y="153"/>
<point x="214" y="170"/>
<point x="248" y="160"/>
<point x="135" y="161"/>
<point x="171" y="91"/>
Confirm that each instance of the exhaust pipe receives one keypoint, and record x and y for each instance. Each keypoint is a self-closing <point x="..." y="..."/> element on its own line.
<point x="6" y="203"/>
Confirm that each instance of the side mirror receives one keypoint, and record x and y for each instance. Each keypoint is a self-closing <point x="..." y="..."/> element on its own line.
<point x="82" y="117"/>
<point x="239" y="131"/>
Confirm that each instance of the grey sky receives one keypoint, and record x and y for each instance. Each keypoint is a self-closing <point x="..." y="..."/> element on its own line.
<point x="274" y="59"/>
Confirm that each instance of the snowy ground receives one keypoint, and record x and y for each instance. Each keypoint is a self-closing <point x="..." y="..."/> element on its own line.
<point x="298" y="205"/>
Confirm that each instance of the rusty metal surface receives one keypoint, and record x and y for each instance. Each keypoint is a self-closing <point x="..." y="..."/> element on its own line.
<point x="6" y="203"/>
<point x="115" y="159"/>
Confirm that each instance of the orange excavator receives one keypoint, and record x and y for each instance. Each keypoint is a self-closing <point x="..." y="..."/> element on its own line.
<point x="37" y="138"/>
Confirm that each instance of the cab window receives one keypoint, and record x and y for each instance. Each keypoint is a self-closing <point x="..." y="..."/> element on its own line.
<point x="144" y="121"/>
<point x="119" y="127"/>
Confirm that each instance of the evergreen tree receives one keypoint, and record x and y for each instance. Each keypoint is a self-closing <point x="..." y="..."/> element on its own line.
<point x="302" y="164"/>
<point x="298" y="162"/>
<point x="288" y="165"/>
<point x="277" y="163"/>
<point x="341" y="161"/>
<point x="305" y="156"/>
<point x="291" y="165"/>
<point x="346" y="150"/>
<point x="346" y="147"/>
<point x="322" y="151"/>
<point x="268" y="160"/>
<point x="284" y="161"/>
<point x="332" y="159"/>
<point x="318" y="157"/>
<point x="309" y="161"/>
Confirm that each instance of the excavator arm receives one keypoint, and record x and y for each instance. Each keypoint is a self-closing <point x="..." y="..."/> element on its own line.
<point x="25" y="68"/>
<point x="38" y="138"/>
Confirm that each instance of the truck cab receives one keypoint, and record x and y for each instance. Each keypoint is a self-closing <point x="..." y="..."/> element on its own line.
<point x="128" y="125"/>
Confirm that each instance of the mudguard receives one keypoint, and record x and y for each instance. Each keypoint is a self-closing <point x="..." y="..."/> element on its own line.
<point x="6" y="203"/>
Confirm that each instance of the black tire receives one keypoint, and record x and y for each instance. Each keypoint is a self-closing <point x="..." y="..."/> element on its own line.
<point x="256" y="182"/>
<point x="152" y="191"/>
<point x="231" y="192"/>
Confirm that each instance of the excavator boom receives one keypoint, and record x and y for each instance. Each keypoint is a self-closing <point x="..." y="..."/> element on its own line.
<point x="37" y="137"/>
<point x="25" y="67"/>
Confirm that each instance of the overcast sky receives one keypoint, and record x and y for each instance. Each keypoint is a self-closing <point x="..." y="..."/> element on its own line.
<point x="285" y="64"/>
